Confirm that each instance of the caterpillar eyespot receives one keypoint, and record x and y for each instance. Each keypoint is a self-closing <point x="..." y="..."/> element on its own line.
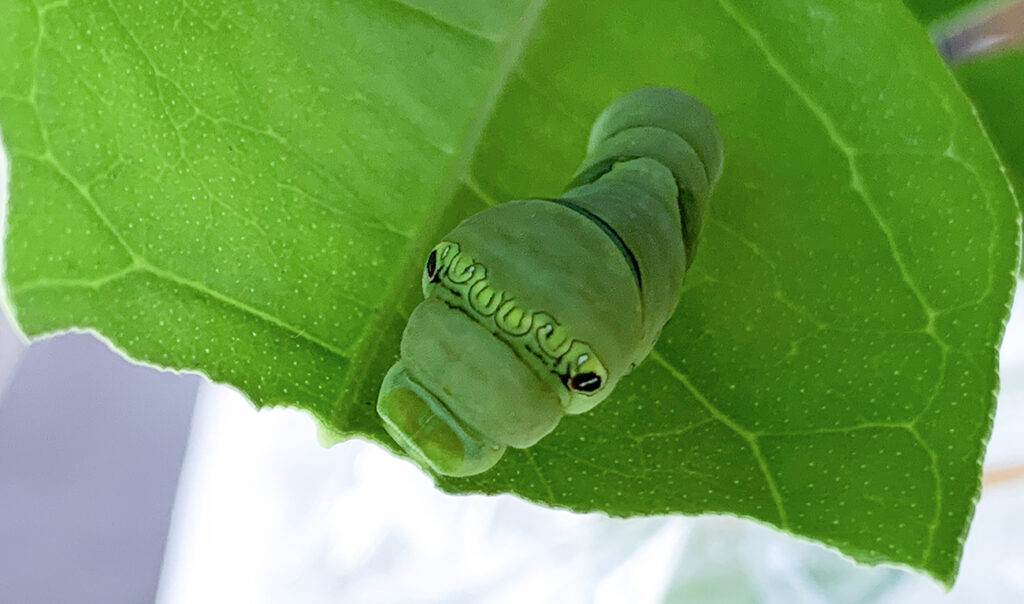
<point x="585" y="382"/>
<point x="534" y="309"/>
<point x="431" y="267"/>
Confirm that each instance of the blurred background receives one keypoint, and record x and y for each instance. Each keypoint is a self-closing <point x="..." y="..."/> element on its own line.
<point x="124" y="484"/>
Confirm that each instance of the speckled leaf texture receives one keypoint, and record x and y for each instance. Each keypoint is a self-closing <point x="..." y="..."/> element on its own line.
<point x="995" y="84"/>
<point x="249" y="189"/>
<point x="994" y="81"/>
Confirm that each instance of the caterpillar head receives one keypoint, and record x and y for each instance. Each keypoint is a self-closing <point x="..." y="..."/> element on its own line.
<point x="478" y="371"/>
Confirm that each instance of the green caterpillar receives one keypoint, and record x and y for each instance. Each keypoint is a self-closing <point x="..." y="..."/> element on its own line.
<point x="535" y="309"/>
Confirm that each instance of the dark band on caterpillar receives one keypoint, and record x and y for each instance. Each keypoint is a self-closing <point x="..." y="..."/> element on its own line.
<point x="685" y="195"/>
<point x="675" y="130"/>
<point x="608" y="230"/>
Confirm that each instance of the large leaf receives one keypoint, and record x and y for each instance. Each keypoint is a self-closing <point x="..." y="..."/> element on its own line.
<point x="995" y="83"/>
<point x="249" y="189"/>
<point x="936" y="11"/>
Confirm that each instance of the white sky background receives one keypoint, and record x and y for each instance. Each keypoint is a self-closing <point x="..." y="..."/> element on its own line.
<point x="265" y="515"/>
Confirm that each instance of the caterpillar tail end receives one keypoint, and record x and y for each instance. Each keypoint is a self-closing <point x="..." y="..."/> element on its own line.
<point x="671" y="128"/>
<point x="668" y="109"/>
<point x="428" y="431"/>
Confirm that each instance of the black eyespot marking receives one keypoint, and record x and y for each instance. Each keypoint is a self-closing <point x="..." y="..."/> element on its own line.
<point x="432" y="272"/>
<point x="585" y="382"/>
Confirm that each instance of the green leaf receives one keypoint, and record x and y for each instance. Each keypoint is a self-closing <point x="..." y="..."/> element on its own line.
<point x="931" y="12"/>
<point x="249" y="190"/>
<point x="995" y="84"/>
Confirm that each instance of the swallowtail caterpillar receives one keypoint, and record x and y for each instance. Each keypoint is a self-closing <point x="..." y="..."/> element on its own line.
<point x="534" y="309"/>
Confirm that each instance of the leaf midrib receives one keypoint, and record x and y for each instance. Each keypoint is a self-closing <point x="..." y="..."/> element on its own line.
<point x="370" y="343"/>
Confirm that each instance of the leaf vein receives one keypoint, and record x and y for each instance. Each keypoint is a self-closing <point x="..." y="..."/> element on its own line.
<point x="748" y="436"/>
<point x="848" y="151"/>
<point x="444" y="23"/>
<point x="142" y="266"/>
<point x="370" y="344"/>
<point x="540" y="474"/>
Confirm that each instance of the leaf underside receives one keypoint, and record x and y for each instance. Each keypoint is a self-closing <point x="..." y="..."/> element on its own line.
<point x="995" y="84"/>
<point x="249" y="191"/>
<point x="932" y="12"/>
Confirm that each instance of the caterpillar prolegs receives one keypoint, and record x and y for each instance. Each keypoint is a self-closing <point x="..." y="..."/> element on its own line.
<point x="535" y="309"/>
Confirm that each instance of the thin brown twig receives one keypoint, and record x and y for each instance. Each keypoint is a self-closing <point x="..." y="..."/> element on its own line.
<point x="995" y="27"/>
<point x="1003" y="475"/>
